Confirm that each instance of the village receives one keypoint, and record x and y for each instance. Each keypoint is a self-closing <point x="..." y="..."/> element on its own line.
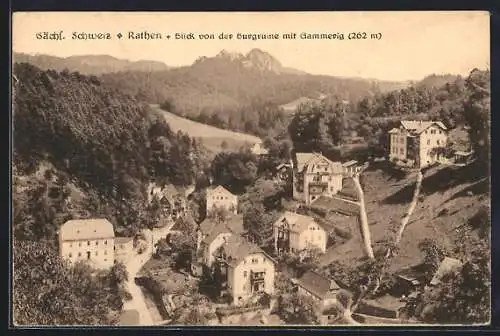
<point x="230" y="278"/>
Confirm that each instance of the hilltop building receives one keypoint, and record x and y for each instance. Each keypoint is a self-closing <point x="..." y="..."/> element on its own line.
<point x="314" y="175"/>
<point x="295" y="233"/>
<point x="220" y="197"/>
<point x="418" y="143"/>
<point x="90" y="240"/>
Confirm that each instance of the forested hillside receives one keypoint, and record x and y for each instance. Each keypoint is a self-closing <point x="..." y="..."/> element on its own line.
<point x="237" y="92"/>
<point x="82" y="149"/>
<point x="88" y="64"/>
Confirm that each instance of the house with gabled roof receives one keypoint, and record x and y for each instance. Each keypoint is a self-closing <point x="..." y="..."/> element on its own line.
<point x="317" y="286"/>
<point x="245" y="268"/>
<point x="294" y="232"/>
<point x="314" y="175"/>
<point x="172" y="201"/>
<point x="90" y="240"/>
<point x="418" y="143"/>
<point x="220" y="197"/>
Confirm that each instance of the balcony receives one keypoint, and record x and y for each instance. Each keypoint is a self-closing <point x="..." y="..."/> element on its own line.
<point x="257" y="276"/>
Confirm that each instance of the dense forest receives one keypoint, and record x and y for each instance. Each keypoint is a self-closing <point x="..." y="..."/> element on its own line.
<point x="82" y="149"/>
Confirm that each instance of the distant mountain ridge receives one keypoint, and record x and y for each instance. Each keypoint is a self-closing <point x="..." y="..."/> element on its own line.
<point x="89" y="64"/>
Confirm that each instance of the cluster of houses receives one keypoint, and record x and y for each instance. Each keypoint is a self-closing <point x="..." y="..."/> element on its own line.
<point x="239" y="268"/>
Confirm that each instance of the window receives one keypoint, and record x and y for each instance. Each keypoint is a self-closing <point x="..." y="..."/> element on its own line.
<point x="105" y="242"/>
<point x="96" y="253"/>
<point x="70" y="255"/>
<point x="428" y="142"/>
<point x="440" y="132"/>
<point x="88" y="242"/>
<point x="245" y="274"/>
<point x="105" y="259"/>
<point x="401" y="150"/>
<point x="80" y="244"/>
<point x="438" y="142"/>
<point x="79" y="254"/>
<point x="96" y="242"/>
<point x="255" y="260"/>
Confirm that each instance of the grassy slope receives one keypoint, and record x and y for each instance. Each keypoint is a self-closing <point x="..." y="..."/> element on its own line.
<point x="387" y="200"/>
<point x="212" y="137"/>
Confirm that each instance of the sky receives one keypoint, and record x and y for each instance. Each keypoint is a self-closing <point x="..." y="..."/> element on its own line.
<point x="413" y="44"/>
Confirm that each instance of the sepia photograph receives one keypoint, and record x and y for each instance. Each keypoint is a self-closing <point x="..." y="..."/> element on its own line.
<point x="250" y="169"/>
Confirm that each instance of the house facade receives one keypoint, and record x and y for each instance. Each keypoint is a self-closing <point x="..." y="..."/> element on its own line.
<point x="315" y="175"/>
<point x="220" y="197"/>
<point x="295" y="233"/>
<point x="90" y="240"/>
<point x="418" y="142"/>
<point x="250" y="271"/>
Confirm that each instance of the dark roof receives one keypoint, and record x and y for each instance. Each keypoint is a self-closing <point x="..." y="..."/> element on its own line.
<point x="349" y="189"/>
<point x="317" y="284"/>
<point x="413" y="273"/>
<point x="219" y="188"/>
<point x="234" y="223"/>
<point x="337" y="205"/>
<point x="129" y="318"/>
<point x="215" y="232"/>
<point x="297" y="222"/>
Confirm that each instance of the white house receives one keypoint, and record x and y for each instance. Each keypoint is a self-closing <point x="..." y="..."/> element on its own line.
<point x="294" y="232"/>
<point x="91" y="240"/>
<point x="314" y="175"/>
<point x="220" y="197"/>
<point x="250" y="271"/>
<point x="417" y="141"/>
<point x="259" y="149"/>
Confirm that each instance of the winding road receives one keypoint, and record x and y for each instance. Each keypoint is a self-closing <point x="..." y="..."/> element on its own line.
<point x="133" y="266"/>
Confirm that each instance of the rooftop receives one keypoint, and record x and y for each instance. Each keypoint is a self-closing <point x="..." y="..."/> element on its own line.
<point x="296" y="222"/>
<point x="233" y="223"/>
<point x="86" y="229"/>
<point x="335" y="204"/>
<point x="317" y="284"/>
<point x="237" y="248"/>
<point x="418" y="126"/>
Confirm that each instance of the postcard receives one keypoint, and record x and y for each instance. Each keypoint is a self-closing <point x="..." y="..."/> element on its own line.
<point x="251" y="169"/>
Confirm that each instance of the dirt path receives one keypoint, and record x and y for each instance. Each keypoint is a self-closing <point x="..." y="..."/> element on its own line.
<point x="138" y="301"/>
